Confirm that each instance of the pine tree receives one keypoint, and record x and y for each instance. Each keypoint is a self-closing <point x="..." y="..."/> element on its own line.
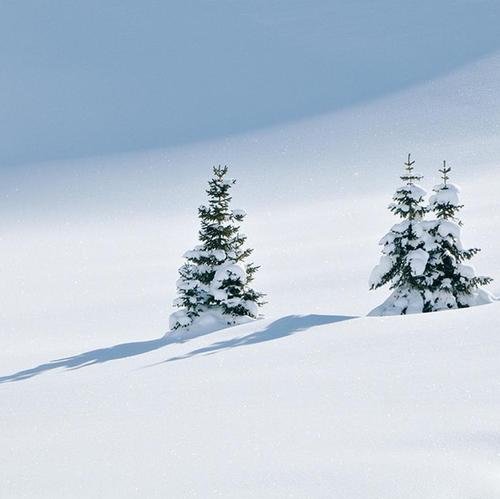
<point x="454" y="284"/>
<point x="404" y="251"/>
<point x="215" y="278"/>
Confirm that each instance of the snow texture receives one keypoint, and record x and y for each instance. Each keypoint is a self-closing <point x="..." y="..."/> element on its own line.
<point x="380" y="270"/>
<point x="447" y="228"/>
<point x="418" y="260"/>
<point x="445" y="194"/>
<point x="410" y="397"/>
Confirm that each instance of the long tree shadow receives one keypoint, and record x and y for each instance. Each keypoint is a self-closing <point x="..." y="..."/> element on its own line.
<point x="286" y="326"/>
<point x="280" y="328"/>
<point x="92" y="357"/>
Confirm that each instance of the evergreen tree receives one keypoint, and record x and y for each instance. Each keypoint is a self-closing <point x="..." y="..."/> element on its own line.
<point x="455" y="285"/>
<point x="215" y="278"/>
<point x="404" y="251"/>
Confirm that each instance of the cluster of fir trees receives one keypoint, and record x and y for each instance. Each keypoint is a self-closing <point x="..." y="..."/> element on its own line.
<point x="423" y="259"/>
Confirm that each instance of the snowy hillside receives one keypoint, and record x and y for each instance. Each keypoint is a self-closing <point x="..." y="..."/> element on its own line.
<point x="315" y="400"/>
<point x="96" y="78"/>
<point x="298" y="406"/>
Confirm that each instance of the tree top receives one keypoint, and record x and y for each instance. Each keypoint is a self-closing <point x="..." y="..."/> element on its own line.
<point x="410" y="176"/>
<point x="444" y="171"/>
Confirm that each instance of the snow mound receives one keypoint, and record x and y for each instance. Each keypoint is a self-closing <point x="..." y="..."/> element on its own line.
<point x="207" y="322"/>
<point x="479" y="297"/>
<point x="405" y="302"/>
<point x="400" y="302"/>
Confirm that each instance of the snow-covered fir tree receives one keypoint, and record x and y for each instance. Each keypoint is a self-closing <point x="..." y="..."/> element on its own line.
<point x="405" y="251"/>
<point x="454" y="284"/>
<point x="214" y="286"/>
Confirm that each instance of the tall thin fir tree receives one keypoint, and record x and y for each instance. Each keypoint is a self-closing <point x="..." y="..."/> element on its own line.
<point x="455" y="284"/>
<point x="215" y="280"/>
<point x="404" y="251"/>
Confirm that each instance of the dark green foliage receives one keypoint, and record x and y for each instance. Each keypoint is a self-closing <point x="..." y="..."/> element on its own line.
<point x="453" y="283"/>
<point x="215" y="276"/>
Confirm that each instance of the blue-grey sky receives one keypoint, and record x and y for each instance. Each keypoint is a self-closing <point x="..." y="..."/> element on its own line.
<point x="86" y="78"/>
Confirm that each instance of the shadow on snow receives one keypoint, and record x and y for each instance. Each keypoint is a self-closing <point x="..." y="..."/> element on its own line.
<point x="280" y="328"/>
<point x="92" y="357"/>
<point x="286" y="326"/>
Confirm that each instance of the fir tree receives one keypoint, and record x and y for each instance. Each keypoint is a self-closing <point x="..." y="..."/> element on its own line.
<point x="404" y="251"/>
<point x="455" y="285"/>
<point x="215" y="277"/>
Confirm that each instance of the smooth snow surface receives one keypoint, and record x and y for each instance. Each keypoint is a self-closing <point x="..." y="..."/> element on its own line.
<point x="296" y="406"/>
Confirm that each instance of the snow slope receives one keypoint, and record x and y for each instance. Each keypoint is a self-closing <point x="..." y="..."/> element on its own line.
<point x="300" y="406"/>
<point x="309" y="402"/>
<point x="93" y="77"/>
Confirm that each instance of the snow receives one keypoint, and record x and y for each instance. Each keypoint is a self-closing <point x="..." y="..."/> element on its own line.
<point x="315" y="400"/>
<point x="202" y="316"/>
<point x="422" y="231"/>
<point x="220" y="255"/>
<point x="400" y="302"/>
<point x="467" y="270"/>
<point x="239" y="213"/>
<point x="179" y="317"/>
<point x="412" y="191"/>
<point x="432" y="240"/>
<point x="444" y="299"/>
<point x="228" y="271"/>
<point x="207" y="322"/>
<point x="380" y="270"/>
<point x="418" y="260"/>
<point x="252" y="308"/>
<point x="355" y="402"/>
<point x="447" y="228"/>
<point x="399" y="228"/>
<point x="445" y="194"/>
<point x="481" y="297"/>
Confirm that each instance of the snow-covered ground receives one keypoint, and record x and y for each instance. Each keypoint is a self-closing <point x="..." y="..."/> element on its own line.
<point x="315" y="400"/>
<point x="295" y="406"/>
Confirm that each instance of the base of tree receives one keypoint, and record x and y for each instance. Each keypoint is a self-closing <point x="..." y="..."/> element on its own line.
<point x="207" y="322"/>
<point x="404" y="302"/>
<point x="480" y="297"/>
<point x="400" y="302"/>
